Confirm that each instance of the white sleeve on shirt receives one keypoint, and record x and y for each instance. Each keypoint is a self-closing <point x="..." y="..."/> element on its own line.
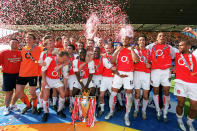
<point x="107" y="63"/>
<point x="195" y="53"/>
<point x="137" y="53"/>
<point x="173" y="52"/>
<point x="75" y="56"/>
<point x="65" y="71"/>
<point x="47" y="61"/>
<point x="91" y="67"/>
<point x="150" y="46"/>
<point x="41" y="57"/>
<point x="75" y="65"/>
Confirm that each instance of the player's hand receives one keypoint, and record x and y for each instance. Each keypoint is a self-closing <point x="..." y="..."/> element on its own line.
<point x="113" y="68"/>
<point x="119" y="48"/>
<point x="44" y="83"/>
<point x="123" y="76"/>
<point x="148" y="65"/>
<point x="188" y="29"/>
<point x="43" y="64"/>
<point x="56" y="68"/>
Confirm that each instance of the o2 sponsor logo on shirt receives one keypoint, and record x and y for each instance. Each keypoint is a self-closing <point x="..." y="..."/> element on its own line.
<point x="124" y="59"/>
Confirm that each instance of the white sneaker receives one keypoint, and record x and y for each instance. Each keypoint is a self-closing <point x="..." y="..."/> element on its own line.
<point x="191" y="128"/>
<point x="127" y="122"/>
<point x="158" y="114"/>
<point x="144" y="115"/>
<point x="6" y="111"/>
<point x="165" y="118"/>
<point x="14" y="108"/>
<point x="109" y="115"/>
<point x="181" y="126"/>
<point x="135" y="113"/>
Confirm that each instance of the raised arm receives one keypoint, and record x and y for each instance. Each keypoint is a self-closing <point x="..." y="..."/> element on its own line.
<point x="115" y="54"/>
<point x="189" y="29"/>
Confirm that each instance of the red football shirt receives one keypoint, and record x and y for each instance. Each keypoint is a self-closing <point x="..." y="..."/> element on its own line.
<point x="141" y="66"/>
<point x="10" y="61"/>
<point x="182" y="71"/>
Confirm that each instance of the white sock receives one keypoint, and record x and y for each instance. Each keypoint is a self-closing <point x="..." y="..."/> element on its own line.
<point x="145" y="104"/>
<point x="119" y="97"/>
<point x="54" y="101"/>
<point x="46" y="106"/>
<point x="61" y="104"/>
<point x="128" y="103"/>
<point x="189" y="121"/>
<point x="179" y="117"/>
<point x="166" y="104"/>
<point x="137" y="104"/>
<point x="112" y="100"/>
<point x="71" y="101"/>
<point x="40" y="102"/>
<point x="102" y="106"/>
<point x="156" y="101"/>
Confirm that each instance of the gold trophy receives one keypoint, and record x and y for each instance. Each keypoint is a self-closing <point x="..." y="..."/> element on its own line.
<point x="85" y="105"/>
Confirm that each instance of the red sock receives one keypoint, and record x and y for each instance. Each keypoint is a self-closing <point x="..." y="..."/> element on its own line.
<point x="25" y="100"/>
<point x="35" y="101"/>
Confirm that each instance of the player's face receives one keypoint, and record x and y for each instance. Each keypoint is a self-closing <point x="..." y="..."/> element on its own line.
<point x="64" y="59"/>
<point x="108" y="49"/>
<point x="69" y="49"/>
<point x="90" y="46"/>
<point x="14" y="44"/>
<point x="50" y="44"/>
<point x="65" y="43"/>
<point x="141" y="41"/>
<point x="183" y="47"/>
<point x="125" y="40"/>
<point x="79" y="46"/>
<point x="29" y="39"/>
<point x="161" y="38"/>
<point x="82" y="55"/>
<point x="100" y="43"/>
<point x="96" y="53"/>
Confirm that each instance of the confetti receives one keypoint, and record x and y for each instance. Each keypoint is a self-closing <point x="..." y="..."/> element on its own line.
<point x="35" y="12"/>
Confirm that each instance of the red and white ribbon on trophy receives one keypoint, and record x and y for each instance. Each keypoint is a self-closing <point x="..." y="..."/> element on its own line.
<point x="91" y="112"/>
<point x="75" y="112"/>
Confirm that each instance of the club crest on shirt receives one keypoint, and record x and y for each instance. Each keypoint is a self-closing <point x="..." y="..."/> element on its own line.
<point x="178" y="92"/>
<point x="159" y="52"/>
<point x="54" y="73"/>
<point x="181" y="62"/>
<point x="124" y="59"/>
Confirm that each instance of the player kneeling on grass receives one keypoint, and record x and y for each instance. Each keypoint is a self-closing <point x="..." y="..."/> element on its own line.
<point x="186" y="84"/>
<point x="51" y="74"/>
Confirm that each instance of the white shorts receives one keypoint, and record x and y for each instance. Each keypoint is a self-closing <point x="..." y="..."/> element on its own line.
<point x="97" y="80"/>
<point x="71" y="80"/>
<point x="159" y="76"/>
<point x="141" y="80"/>
<point x="127" y="82"/>
<point x="106" y="83"/>
<point x="186" y="89"/>
<point x="78" y="85"/>
<point x="53" y="83"/>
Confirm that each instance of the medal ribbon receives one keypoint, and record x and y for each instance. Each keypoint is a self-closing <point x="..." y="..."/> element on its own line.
<point x="161" y="51"/>
<point x="60" y="72"/>
<point x="98" y="63"/>
<point x="190" y="60"/>
<point x="30" y="53"/>
<point x="145" y="61"/>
